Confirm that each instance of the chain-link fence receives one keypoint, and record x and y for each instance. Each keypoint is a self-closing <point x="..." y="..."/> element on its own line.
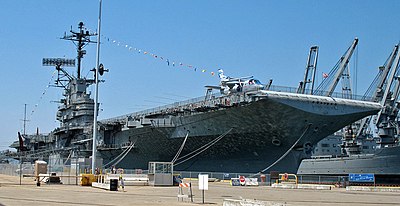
<point x="70" y="170"/>
<point x="265" y="179"/>
<point x="26" y="171"/>
<point x="57" y="170"/>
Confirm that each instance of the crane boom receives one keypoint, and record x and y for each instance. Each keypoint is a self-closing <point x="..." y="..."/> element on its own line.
<point x="379" y="93"/>
<point x="309" y="75"/>
<point x="390" y="80"/>
<point x="343" y="64"/>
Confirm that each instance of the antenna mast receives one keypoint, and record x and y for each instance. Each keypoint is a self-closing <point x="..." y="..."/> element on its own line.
<point x="25" y="120"/>
<point x="80" y="39"/>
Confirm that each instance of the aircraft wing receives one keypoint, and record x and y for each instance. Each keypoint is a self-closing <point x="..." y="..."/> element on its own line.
<point x="213" y="87"/>
<point x="240" y="78"/>
<point x="233" y="82"/>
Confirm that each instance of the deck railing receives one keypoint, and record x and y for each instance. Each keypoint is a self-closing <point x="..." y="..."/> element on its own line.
<point x="201" y="99"/>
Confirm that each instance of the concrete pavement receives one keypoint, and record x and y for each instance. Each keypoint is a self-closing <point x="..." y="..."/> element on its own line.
<point x="29" y="194"/>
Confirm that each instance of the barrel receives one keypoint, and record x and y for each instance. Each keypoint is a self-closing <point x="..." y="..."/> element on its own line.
<point x="113" y="184"/>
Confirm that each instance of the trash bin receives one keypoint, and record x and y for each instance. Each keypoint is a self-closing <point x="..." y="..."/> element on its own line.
<point x="274" y="177"/>
<point x="113" y="184"/>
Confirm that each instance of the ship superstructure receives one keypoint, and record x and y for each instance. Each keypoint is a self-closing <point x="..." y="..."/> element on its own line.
<point x="76" y="110"/>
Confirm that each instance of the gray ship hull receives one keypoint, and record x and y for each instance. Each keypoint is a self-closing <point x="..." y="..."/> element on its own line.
<point x="384" y="162"/>
<point x="259" y="133"/>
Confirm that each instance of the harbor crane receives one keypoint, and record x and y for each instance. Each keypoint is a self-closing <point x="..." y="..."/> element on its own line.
<point x="340" y="71"/>
<point x="307" y="85"/>
<point x="384" y="89"/>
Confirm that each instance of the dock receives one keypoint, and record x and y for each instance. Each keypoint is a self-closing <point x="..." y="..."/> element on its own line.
<point x="218" y="193"/>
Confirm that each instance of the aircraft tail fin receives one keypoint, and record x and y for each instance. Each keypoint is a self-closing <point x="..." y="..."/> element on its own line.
<point x="21" y="141"/>
<point x="221" y="75"/>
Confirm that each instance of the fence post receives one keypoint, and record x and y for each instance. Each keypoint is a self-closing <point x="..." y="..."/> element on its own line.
<point x="69" y="174"/>
<point x="76" y="168"/>
<point x="50" y="164"/>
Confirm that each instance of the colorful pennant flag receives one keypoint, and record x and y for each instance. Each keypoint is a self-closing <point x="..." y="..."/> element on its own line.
<point x="167" y="60"/>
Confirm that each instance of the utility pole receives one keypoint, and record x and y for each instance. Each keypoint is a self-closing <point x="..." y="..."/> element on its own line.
<point x="20" y="149"/>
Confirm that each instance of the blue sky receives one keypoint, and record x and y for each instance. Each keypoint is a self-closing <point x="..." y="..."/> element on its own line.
<point x="267" y="39"/>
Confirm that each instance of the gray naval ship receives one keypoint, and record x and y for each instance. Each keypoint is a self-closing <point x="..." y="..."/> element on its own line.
<point x="244" y="127"/>
<point x="372" y="145"/>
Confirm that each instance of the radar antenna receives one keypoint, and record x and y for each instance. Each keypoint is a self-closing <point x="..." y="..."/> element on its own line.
<point x="80" y="39"/>
<point x="63" y="78"/>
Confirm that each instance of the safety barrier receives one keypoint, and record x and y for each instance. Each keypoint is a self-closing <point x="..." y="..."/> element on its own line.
<point x="131" y="179"/>
<point x="110" y="181"/>
<point x="288" y="178"/>
<point x="181" y="194"/>
<point x="102" y="183"/>
<point x="244" y="181"/>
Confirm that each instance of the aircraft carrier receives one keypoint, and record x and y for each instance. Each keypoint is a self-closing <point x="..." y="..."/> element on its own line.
<point x="244" y="127"/>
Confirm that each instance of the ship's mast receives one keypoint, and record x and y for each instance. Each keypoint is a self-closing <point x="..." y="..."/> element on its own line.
<point x="77" y="108"/>
<point x="80" y="39"/>
<point x="25" y="120"/>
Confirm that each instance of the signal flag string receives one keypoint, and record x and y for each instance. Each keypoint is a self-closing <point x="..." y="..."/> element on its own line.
<point x="168" y="61"/>
<point x="43" y="93"/>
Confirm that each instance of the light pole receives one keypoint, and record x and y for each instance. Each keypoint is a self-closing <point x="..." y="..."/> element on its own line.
<point x="96" y="93"/>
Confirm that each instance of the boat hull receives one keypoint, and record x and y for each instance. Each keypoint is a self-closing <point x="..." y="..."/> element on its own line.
<point x="258" y="134"/>
<point x="385" y="161"/>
